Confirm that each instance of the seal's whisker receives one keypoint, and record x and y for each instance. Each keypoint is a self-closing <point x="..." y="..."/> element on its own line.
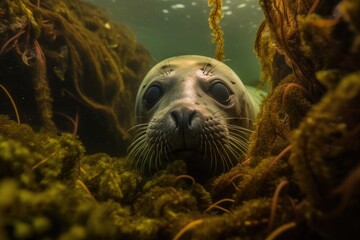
<point x="156" y="157"/>
<point x="213" y="151"/>
<point x="240" y="135"/>
<point x="152" y="159"/>
<point x="239" y="118"/>
<point x="241" y="131"/>
<point x="134" y="128"/>
<point x="206" y="65"/>
<point x="221" y="114"/>
<point x="134" y="149"/>
<point x="142" y="117"/>
<point x="237" y="146"/>
<point x="167" y="151"/>
<point x="138" y="134"/>
<point x="238" y="128"/>
<point x="143" y="161"/>
<point x="148" y="158"/>
<point x="136" y="154"/>
<point x="227" y="151"/>
<point x="135" y="132"/>
<point x="159" y="156"/>
<point x="165" y="68"/>
<point x="157" y="61"/>
<point x="205" y="157"/>
<point x="224" y="160"/>
<point x="206" y="70"/>
<point x="210" y="171"/>
<point x="233" y="151"/>
<point x="211" y="70"/>
<point x="240" y="141"/>
<point x="221" y="156"/>
<point x="240" y="147"/>
<point x="201" y="142"/>
<point x="137" y="141"/>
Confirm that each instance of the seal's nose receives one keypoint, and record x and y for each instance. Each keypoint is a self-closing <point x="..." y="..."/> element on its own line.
<point x="183" y="118"/>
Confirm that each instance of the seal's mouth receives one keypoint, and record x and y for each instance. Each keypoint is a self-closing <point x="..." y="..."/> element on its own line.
<point x="185" y="153"/>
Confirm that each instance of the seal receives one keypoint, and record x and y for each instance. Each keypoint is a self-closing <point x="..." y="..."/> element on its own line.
<point x="191" y="108"/>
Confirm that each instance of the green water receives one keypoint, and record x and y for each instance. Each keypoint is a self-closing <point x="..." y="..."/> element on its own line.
<point x="176" y="27"/>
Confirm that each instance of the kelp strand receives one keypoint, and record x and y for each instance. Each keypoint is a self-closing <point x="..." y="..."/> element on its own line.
<point x="214" y="23"/>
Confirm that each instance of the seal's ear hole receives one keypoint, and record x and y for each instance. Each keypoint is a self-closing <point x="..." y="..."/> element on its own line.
<point x="220" y="92"/>
<point x="153" y="94"/>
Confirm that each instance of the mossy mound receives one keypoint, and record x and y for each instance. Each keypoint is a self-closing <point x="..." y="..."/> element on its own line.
<point x="301" y="179"/>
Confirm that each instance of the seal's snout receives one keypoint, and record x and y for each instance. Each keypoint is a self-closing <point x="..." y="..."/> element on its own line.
<point x="195" y="109"/>
<point x="183" y="118"/>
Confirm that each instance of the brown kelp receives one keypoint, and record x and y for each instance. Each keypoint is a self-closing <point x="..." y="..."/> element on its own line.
<point x="300" y="181"/>
<point x="214" y="23"/>
<point x="76" y="61"/>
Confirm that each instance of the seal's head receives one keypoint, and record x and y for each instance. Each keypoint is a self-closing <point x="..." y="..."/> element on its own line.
<point x="192" y="108"/>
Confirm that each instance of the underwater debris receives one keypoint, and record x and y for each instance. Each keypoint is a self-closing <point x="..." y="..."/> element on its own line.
<point x="214" y="23"/>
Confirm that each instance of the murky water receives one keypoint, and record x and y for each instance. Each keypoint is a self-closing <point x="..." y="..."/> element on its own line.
<point x="175" y="27"/>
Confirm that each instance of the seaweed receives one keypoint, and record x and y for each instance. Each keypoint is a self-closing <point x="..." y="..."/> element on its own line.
<point x="325" y="161"/>
<point x="214" y="23"/>
<point x="80" y="65"/>
<point x="12" y="102"/>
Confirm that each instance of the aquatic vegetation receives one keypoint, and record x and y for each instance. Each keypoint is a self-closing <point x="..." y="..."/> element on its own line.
<point x="216" y="205"/>
<point x="300" y="180"/>
<point x="26" y="44"/>
<point x="12" y="102"/>
<point x="186" y="228"/>
<point x="214" y="23"/>
<point x="75" y="60"/>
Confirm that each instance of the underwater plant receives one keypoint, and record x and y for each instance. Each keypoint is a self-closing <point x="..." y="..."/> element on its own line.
<point x="214" y="23"/>
<point x="12" y="102"/>
<point x="75" y="65"/>
<point x="26" y="44"/>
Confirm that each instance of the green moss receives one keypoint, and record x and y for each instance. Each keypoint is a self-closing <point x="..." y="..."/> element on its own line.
<point x="106" y="177"/>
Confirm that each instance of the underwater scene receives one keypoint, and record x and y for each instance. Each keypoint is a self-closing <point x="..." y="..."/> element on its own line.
<point x="179" y="119"/>
<point x="168" y="28"/>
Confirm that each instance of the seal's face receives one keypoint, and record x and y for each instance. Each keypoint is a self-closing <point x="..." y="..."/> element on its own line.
<point x="192" y="108"/>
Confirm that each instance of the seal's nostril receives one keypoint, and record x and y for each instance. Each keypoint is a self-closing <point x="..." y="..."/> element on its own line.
<point x="183" y="117"/>
<point x="175" y="115"/>
<point x="190" y="116"/>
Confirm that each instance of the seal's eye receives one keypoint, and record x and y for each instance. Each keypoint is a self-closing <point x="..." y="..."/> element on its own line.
<point x="153" y="94"/>
<point x="220" y="92"/>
